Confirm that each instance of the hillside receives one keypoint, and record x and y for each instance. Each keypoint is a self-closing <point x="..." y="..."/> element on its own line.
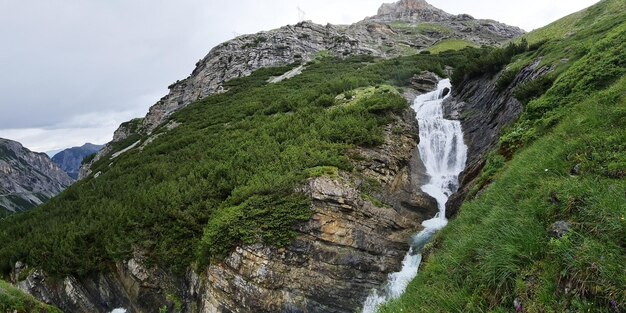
<point x="542" y="228"/>
<point x="70" y="160"/>
<point x="27" y="179"/>
<point x="15" y="301"/>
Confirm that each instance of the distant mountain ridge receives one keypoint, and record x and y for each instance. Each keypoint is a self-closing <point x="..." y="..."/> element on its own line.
<point x="27" y="178"/>
<point x="69" y="160"/>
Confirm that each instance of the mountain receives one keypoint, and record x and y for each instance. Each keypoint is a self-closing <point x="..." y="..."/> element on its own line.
<point x="70" y="160"/>
<point x="403" y="28"/>
<point x="27" y="178"/>
<point x="260" y="184"/>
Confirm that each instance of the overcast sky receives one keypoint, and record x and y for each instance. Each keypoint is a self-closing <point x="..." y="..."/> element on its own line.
<point x="72" y="70"/>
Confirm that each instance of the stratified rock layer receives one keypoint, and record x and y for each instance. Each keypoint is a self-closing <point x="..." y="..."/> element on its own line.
<point x="27" y="178"/>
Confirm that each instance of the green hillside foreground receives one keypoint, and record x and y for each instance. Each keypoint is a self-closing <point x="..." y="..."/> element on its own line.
<point x="564" y="160"/>
<point x="13" y="300"/>
<point x="225" y="176"/>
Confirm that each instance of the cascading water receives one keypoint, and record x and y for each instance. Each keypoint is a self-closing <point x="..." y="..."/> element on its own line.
<point x="444" y="154"/>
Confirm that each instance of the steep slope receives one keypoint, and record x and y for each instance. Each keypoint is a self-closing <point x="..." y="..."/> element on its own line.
<point x="542" y="229"/>
<point x="402" y="28"/>
<point x="15" y="301"/>
<point x="27" y="179"/>
<point x="70" y="160"/>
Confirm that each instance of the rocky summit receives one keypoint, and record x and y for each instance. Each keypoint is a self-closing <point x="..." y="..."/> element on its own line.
<point x="27" y="178"/>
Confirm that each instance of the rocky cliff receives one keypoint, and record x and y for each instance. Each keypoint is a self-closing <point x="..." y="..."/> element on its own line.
<point x="70" y="160"/>
<point x="484" y="111"/>
<point x="401" y="28"/>
<point x="27" y="178"/>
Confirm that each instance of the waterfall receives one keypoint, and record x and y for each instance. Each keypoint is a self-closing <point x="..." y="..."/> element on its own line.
<point x="444" y="154"/>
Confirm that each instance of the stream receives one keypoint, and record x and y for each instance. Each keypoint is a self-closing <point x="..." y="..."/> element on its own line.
<point x="443" y="153"/>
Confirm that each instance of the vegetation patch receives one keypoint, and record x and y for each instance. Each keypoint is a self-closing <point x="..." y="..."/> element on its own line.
<point x="450" y="44"/>
<point x="15" y="301"/>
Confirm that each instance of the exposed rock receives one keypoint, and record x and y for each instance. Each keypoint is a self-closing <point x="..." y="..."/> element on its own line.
<point x="70" y="160"/>
<point x="348" y="247"/>
<point x="27" y="178"/>
<point x="575" y="171"/>
<point x="559" y="229"/>
<point x="484" y="112"/>
<point x="425" y="82"/>
<point x="410" y="10"/>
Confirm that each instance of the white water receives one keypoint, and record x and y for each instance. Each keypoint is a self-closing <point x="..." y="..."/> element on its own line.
<point x="120" y="310"/>
<point x="444" y="154"/>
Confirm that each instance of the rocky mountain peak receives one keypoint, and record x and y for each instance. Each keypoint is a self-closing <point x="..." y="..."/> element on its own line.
<point x="403" y="5"/>
<point x="410" y="10"/>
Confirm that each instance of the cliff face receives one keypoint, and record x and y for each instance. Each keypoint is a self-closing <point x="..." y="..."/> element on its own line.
<point x="27" y="179"/>
<point x="484" y="111"/>
<point x="405" y="27"/>
<point x="69" y="160"/>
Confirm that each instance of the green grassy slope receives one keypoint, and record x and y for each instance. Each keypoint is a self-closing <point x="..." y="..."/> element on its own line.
<point x="225" y="176"/>
<point x="500" y="249"/>
<point x="13" y="300"/>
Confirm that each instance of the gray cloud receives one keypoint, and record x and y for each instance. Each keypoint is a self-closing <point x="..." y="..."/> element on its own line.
<point x="75" y="69"/>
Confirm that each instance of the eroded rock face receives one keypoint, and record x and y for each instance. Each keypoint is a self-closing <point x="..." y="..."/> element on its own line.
<point x="484" y="112"/>
<point x="27" y="179"/>
<point x="356" y="237"/>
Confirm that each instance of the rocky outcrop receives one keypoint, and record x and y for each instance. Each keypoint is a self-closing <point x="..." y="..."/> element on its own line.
<point x="27" y="178"/>
<point x="405" y="27"/>
<point x="485" y="111"/>
<point x="410" y="10"/>
<point x="359" y="233"/>
<point x="70" y="160"/>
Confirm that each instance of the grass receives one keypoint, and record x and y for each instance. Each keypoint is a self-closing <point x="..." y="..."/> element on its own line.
<point x="500" y="249"/>
<point x="15" y="301"/>
<point x="422" y="28"/>
<point x="450" y="44"/>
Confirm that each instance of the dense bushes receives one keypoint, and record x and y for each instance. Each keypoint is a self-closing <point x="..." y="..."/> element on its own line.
<point x="487" y="61"/>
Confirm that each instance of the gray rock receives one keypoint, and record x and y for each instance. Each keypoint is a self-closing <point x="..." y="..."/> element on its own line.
<point x="575" y="170"/>
<point x="484" y="111"/>
<point x="425" y="82"/>
<point x="560" y="229"/>
<point x="27" y="178"/>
